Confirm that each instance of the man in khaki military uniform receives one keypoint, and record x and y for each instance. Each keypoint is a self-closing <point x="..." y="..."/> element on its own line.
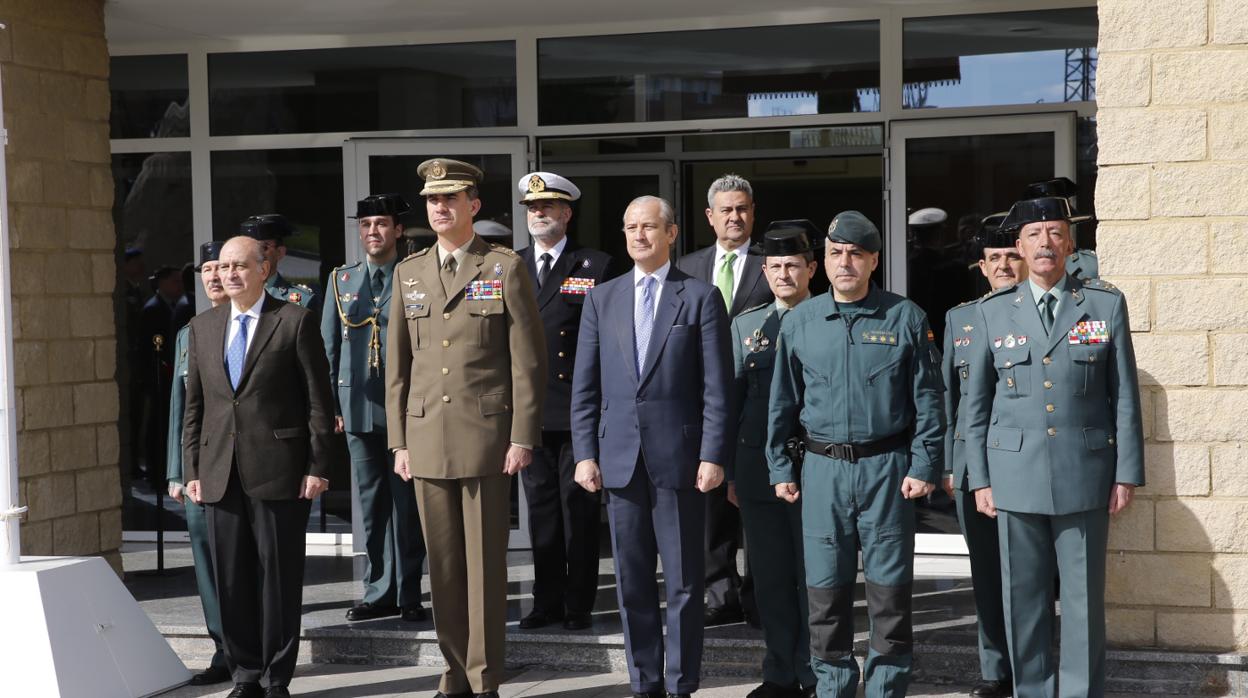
<point x="465" y="377"/>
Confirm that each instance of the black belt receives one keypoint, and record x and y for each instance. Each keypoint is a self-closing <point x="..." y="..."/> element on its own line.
<point x="853" y="452"/>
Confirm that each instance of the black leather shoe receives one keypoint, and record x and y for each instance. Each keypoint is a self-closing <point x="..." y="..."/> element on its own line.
<point x="487" y="694"/>
<point x="246" y="690"/>
<point x="538" y="619"/>
<point x="1001" y="688"/>
<point x="772" y="690"/>
<point x="211" y="675"/>
<point x="724" y="615"/>
<point x="276" y="692"/>
<point x="679" y="695"/>
<point x="369" y="611"/>
<point x="577" y="621"/>
<point x="414" y="614"/>
<point x="465" y="694"/>
<point x="651" y="694"/>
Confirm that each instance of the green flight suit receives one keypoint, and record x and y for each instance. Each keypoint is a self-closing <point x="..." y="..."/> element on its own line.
<point x="858" y="373"/>
<point x="1052" y="422"/>
<point x="393" y="544"/>
<point x="283" y="290"/>
<point x="196" y="523"/>
<point x="773" y="527"/>
<point x="980" y="531"/>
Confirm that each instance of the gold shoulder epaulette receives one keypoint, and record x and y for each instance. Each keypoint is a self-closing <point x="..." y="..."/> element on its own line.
<point x="1101" y="285"/>
<point x="502" y="248"/>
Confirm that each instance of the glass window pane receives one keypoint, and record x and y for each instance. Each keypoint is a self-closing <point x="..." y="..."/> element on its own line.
<point x="150" y="97"/>
<point x="1007" y="58"/>
<point x="303" y="184"/>
<point x="152" y="206"/>
<point x="379" y="88"/>
<point x="397" y="174"/>
<point x="722" y="73"/>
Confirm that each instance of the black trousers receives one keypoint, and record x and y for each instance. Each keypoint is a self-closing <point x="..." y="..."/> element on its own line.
<point x="563" y="528"/>
<point x="725" y="587"/>
<point x="257" y="555"/>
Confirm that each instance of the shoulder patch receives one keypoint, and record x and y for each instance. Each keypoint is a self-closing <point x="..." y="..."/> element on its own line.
<point x="1101" y="285"/>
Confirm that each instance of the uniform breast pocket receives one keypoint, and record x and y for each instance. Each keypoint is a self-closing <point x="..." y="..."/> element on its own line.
<point x="889" y="374"/>
<point x="417" y="317"/>
<point x="758" y="368"/>
<point x="1013" y="372"/>
<point x="1089" y="370"/>
<point x="490" y="321"/>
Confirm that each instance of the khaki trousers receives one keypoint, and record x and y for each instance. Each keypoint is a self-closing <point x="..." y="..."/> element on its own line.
<point x="466" y="523"/>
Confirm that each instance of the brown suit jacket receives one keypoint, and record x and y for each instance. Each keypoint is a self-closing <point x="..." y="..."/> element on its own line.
<point x="464" y="378"/>
<point x="279" y="425"/>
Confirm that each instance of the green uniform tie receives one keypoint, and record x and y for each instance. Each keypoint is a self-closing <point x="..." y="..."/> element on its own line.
<point x="724" y="279"/>
<point x="1047" y="301"/>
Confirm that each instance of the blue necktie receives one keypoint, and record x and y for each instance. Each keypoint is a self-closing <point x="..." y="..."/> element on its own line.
<point x="237" y="352"/>
<point x="643" y="321"/>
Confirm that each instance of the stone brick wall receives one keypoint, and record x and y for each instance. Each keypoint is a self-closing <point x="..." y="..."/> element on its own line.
<point x="1172" y="195"/>
<point x="55" y="71"/>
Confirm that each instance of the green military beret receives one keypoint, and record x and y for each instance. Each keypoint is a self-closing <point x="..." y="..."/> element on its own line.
<point x="851" y="227"/>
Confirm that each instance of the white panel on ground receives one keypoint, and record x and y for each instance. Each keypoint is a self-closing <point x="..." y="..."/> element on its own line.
<point x="72" y="630"/>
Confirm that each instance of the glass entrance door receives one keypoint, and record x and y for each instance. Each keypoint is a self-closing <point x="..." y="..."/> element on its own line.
<point x="606" y="189"/>
<point x="968" y="169"/>
<point x="384" y="166"/>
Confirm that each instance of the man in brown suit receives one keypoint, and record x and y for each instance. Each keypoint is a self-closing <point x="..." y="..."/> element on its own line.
<point x="258" y="440"/>
<point x="465" y="375"/>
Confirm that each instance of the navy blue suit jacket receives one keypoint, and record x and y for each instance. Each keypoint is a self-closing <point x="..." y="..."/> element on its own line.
<point x="677" y="412"/>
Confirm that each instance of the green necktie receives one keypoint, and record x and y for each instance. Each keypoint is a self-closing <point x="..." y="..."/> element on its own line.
<point x="724" y="279"/>
<point x="1047" y="301"/>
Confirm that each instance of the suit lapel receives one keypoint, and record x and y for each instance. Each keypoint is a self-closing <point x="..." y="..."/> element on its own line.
<point x="217" y="331"/>
<point x="558" y="272"/>
<point x="469" y="269"/>
<point x="751" y="273"/>
<point x="1026" y="316"/>
<point x="265" y="327"/>
<point x="387" y="289"/>
<point x="627" y="335"/>
<point x="1068" y="312"/>
<point x="669" y="306"/>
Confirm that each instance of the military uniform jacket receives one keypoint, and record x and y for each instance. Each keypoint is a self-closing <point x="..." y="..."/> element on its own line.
<point x="754" y="335"/>
<point x="177" y="407"/>
<point x="300" y="295"/>
<point x="359" y="388"/>
<point x="857" y="379"/>
<point x="465" y="375"/>
<point x="960" y="323"/>
<point x="574" y="273"/>
<point x="1053" y="422"/>
<point x="1083" y="264"/>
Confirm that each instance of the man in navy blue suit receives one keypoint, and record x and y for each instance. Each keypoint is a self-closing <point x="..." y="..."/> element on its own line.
<point x="650" y="423"/>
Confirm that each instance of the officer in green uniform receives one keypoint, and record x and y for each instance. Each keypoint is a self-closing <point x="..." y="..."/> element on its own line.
<point x="1002" y="265"/>
<point x="353" y="327"/>
<point x="859" y="368"/>
<point x="272" y="229"/>
<point x="196" y="524"/>
<point x="1054" y="446"/>
<point x="773" y="528"/>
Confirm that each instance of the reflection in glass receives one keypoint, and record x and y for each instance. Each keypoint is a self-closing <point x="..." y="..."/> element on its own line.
<point x="152" y="206"/>
<point x="303" y="184"/>
<point x="396" y="174"/>
<point x="967" y="177"/>
<point x="1085" y="170"/>
<point x="149" y="97"/>
<point x="721" y="73"/>
<point x="1037" y="57"/>
<point x="379" y="88"/>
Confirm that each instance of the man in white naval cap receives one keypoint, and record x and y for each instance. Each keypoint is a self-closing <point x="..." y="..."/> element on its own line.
<point x="563" y="517"/>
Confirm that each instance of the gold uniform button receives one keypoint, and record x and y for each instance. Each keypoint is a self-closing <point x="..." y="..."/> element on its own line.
<point x="562" y="355"/>
<point x="446" y="371"/>
<point x="1092" y="359"/>
<point x="751" y="365"/>
<point x="1052" y="431"/>
<point x="1048" y="360"/>
<point x="446" y="316"/>
<point x="563" y="333"/>
<point x="1048" y="384"/>
<point x="562" y="377"/>
<point x="446" y="398"/>
<point x="1009" y="382"/>
<point x="1009" y="364"/>
<point x="957" y="434"/>
<point x="1111" y="441"/>
<point x="485" y="311"/>
<point x="1049" y="408"/>
<point x="446" y="342"/>
<point x="996" y="444"/>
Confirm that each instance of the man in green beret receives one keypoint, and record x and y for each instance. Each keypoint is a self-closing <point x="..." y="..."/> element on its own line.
<point x="773" y="528"/>
<point x="218" y="670"/>
<point x="465" y="378"/>
<point x="272" y="229"/>
<point x="857" y="370"/>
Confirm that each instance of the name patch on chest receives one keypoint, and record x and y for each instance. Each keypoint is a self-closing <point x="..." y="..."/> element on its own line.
<point x="1089" y="332"/>
<point x="879" y="337"/>
<point x="576" y="286"/>
<point x="484" y="290"/>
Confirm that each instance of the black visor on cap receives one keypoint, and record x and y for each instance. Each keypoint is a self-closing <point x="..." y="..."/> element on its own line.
<point x="268" y="226"/>
<point x="209" y="252"/>
<point x="393" y="205"/>
<point x="791" y="237"/>
<point x="1049" y="208"/>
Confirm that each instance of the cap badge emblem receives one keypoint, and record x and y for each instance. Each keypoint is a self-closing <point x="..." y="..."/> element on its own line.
<point x="536" y="184"/>
<point x="437" y="170"/>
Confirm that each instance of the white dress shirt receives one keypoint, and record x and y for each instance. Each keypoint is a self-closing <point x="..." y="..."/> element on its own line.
<point x="738" y="265"/>
<point x="554" y="252"/>
<point x="253" y="313"/>
<point x="660" y="276"/>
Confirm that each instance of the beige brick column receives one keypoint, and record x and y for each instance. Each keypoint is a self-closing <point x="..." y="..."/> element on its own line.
<point x="1172" y="196"/>
<point x="55" y="68"/>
